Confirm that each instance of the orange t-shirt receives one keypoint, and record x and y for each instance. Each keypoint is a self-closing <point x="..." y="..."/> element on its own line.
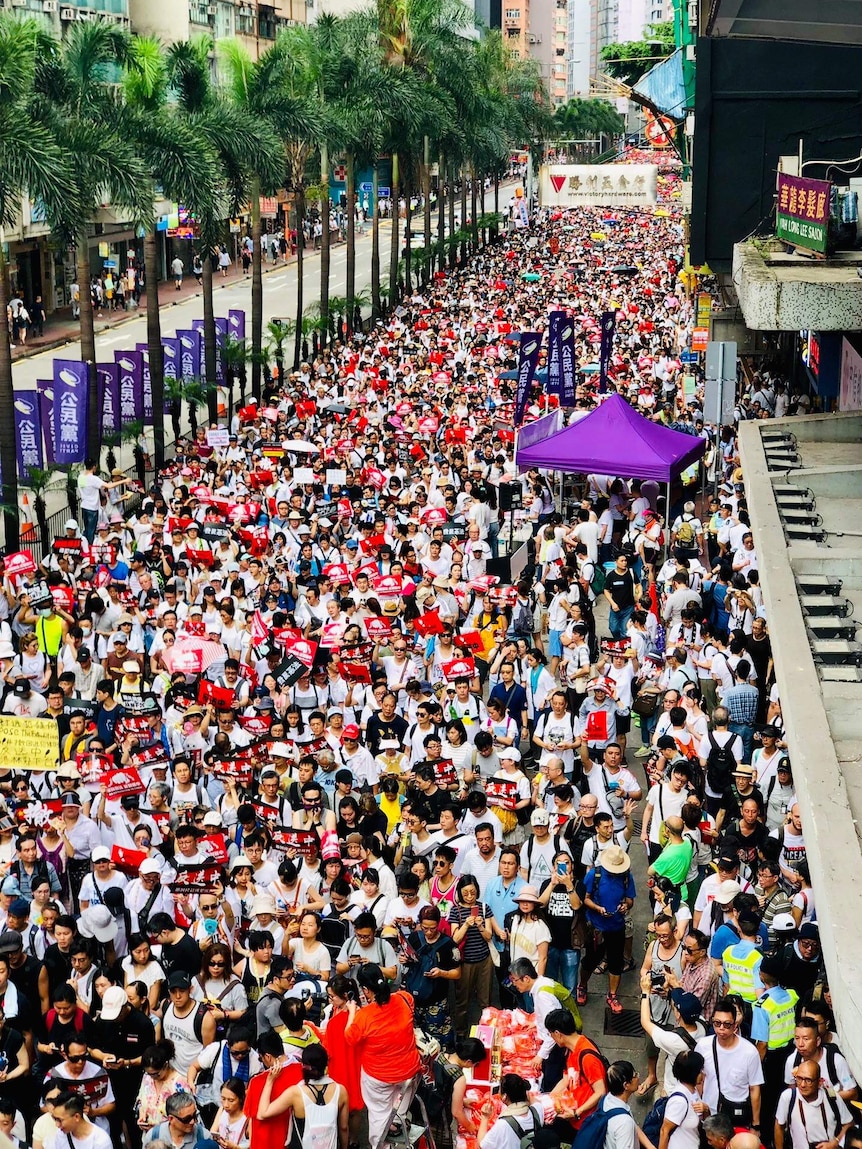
<point x="584" y="1069"/>
<point x="385" y="1033"/>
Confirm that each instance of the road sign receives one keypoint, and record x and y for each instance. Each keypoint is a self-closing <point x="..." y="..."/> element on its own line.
<point x="384" y="193"/>
<point x="365" y="187"/>
<point x="688" y="357"/>
<point x="720" y="389"/>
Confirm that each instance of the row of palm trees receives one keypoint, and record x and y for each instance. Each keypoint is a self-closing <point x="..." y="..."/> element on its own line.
<point x="103" y="117"/>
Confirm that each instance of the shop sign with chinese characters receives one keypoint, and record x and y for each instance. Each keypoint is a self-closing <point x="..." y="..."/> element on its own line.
<point x="802" y="212"/>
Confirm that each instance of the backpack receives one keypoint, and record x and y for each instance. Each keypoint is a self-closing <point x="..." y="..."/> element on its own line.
<point x="833" y="1105"/>
<point x="525" y="1135"/>
<point x="522" y="620"/>
<point x="594" y="1130"/>
<point x="597" y="585"/>
<point x="655" y="1118"/>
<point x="720" y="765"/>
<point x="566" y="1000"/>
<point x="686" y="536"/>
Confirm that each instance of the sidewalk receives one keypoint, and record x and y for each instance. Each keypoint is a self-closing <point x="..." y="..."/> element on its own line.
<point x="61" y="328"/>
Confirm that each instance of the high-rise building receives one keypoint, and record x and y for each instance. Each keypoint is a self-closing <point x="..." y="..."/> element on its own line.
<point x="578" y="49"/>
<point x="253" y="23"/>
<point x="547" y="44"/>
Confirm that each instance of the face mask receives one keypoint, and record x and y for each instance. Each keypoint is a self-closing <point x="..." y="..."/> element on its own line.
<point x="44" y="613"/>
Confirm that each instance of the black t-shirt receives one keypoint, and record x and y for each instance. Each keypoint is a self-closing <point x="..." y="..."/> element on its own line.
<point x="432" y="990"/>
<point x="381" y="729"/>
<point x="559" y="914"/>
<point x="126" y="1038"/>
<point x="183" y="955"/>
<point x="621" y="588"/>
<point x="10" y="1044"/>
<point x="25" y="978"/>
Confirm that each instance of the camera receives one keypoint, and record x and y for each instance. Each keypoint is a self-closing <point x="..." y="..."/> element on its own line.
<point x="656" y="979"/>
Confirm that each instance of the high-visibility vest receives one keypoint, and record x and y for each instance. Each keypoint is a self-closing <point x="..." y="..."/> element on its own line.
<point x="740" y="973"/>
<point x="49" y="632"/>
<point x="781" y="1017"/>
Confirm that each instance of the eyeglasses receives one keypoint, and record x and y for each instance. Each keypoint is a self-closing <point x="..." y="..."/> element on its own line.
<point x="723" y="1024"/>
<point x="209" y="906"/>
<point x="796" y="1077"/>
<point x="691" y="949"/>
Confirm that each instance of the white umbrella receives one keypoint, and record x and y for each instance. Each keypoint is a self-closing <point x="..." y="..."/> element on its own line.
<point x="301" y="447"/>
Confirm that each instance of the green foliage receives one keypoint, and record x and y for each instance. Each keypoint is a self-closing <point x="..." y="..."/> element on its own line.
<point x="587" y="119"/>
<point x="632" y="59"/>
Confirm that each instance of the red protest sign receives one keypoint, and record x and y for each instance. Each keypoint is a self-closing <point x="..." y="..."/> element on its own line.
<point x="428" y="424"/>
<point x="248" y="414"/>
<point x="388" y="586"/>
<point x="458" y="668"/>
<point x="596" y="729"/>
<point x="501" y="792"/>
<point x="267" y="813"/>
<point x="305" y="842"/>
<point x="302" y="648"/>
<point x="471" y="640"/>
<point x="126" y="859"/>
<point x="93" y="766"/>
<point x="306" y="408"/>
<point x="338" y="572"/>
<point x="434" y="516"/>
<point x="504" y="595"/>
<point x="214" y="847"/>
<point x="200" y="558"/>
<point x="186" y="659"/>
<point x="483" y="583"/>
<point x="22" y="562"/>
<point x="428" y="623"/>
<point x="345" y="509"/>
<point x="122" y="782"/>
<point x="372" y="543"/>
<point x="221" y="697"/>
<point x="374" y="478"/>
<point x="444" y="774"/>
<point x="377" y="629"/>
<point x="259" y="630"/>
<point x="64" y="597"/>
<point x="354" y="671"/>
<point x="232" y="770"/>
<point x="38" y="813"/>
<point x="256" y="724"/>
<point x="196" y="880"/>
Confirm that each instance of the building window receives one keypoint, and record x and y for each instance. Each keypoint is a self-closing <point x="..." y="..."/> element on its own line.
<point x="513" y="13"/>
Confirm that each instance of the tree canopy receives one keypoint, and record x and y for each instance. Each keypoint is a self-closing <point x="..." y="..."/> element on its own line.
<point x="634" y="58"/>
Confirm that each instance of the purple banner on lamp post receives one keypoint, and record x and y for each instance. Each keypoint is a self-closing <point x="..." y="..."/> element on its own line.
<point x="190" y="353"/>
<point x="198" y="325"/>
<point x="71" y="378"/>
<point x="131" y="364"/>
<point x="608" y="326"/>
<point x="566" y="336"/>
<point x="28" y="432"/>
<point x="45" y="391"/>
<point x="148" y="388"/>
<point x="528" y="357"/>
<point x="236" y="323"/>
<point x="108" y="382"/>
<point x="555" y="368"/>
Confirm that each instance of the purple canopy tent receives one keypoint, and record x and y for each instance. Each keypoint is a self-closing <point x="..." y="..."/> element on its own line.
<point x="615" y="440"/>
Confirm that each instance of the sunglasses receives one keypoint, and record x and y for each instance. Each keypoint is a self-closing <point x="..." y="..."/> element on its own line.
<point x="724" y="1025"/>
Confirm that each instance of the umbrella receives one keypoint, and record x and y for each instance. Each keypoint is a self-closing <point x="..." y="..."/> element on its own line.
<point x="508" y="375"/>
<point x="301" y="447"/>
<point x="530" y="276"/>
<point x="337" y="408"/>
<point x="187" y="650"/>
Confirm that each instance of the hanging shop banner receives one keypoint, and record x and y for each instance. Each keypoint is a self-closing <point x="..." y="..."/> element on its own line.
<point x="108" y="382"/>
<point x="190" y="353"/>
<point x="28" y="432"/>
<point x="802" y="211"/>
<point x="45" y="391"/>
<point x="608" y="326"/>
<point x="131" y="364"/>
<point x="611" y="185"/>
<point x="236" y="323"/>
<point x="528" y="357"/>
<point x="70" y="411"/>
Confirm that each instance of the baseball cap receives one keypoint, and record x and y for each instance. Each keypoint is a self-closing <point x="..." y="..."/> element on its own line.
<point x="113" y="1001"/>
<point x="540" y="818"/>
<point x="510" y="753"/>
<point x="688" y="1005"/>
<point x="149" y="866"/>
<point x="11" y="942"/>
<point x="101" y="854"/>
<point x="727" y="891"/>
<point x="20" y="907"/>
<point x="350" y="733"/>
<point x="783" y="923"/>
<point x="180" y="980"/>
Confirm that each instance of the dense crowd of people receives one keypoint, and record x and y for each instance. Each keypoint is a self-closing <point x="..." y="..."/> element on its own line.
<point x="334" y="787"/>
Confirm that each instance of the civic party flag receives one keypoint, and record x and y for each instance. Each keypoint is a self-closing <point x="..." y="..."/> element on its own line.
<point x="28" y="432"/>
<point x="236" y="323"/>
<point x="608" y="324"/>
<point x="528" y="357"/>
<point x="555" y="369"/>
<point x="108" y="382"/>
<point x="45" y="391"/>
<point x="147" y="386"/>
<point x="190" y="353"/>
<point x="566" y="339"/>
<point x="131" y="364"/>
<point x="71" y="387"/>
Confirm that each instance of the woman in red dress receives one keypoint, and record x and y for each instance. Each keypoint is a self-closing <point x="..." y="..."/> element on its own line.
<point x="343" y="1065"/>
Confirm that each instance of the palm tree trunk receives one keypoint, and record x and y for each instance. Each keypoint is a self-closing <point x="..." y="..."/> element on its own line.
<point x="154" y="346"/>
<point x="256" y="289"/>
<point x="496" y="228"/>
<point x="375" y="245"/>
<point x="325" y="259"/>
<point x="351" y="238"/>
<point x="394" y="247"/>
<point x="482" y="202"/>
<point x="453" y="250"/>
<point x="88" y="343"/>
<point x="299" y="208"/>
<point x="441" y="210"/>
<point x="464" y="212"/>
<point x="474" y="209"/>
<point x="8" y="461"/>
<point x="408" y="238"/>
<point x="209" y="340"/>
<point x="426" y="191"/>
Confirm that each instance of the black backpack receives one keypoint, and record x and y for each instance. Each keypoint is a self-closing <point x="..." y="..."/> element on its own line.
<point x="720" y="764"/>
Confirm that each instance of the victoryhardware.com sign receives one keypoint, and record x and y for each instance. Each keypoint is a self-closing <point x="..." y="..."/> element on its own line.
<point x="802" y="212"/>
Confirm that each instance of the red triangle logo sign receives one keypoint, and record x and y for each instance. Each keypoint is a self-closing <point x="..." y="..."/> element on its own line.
<point x="557" y="182"/>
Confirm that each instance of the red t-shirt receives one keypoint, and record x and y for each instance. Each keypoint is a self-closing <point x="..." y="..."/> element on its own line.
<point x="272" y="1133"/>
<point x="584" y="1069"/>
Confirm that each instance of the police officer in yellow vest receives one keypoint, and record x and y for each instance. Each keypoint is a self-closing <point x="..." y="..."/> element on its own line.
<point x="50" y="630"/>
<point x="741" y="962"/>
<point x="773" y="1022"/>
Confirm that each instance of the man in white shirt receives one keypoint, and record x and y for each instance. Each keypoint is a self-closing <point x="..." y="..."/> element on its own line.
<point x="482" y="860"/>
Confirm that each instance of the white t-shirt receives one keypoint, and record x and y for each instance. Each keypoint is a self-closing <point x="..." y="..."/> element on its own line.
<point x="820" y="1120"/>
<point x="680" y="1110"/>
<point x="665" y="803"/>
<point x="89" y="487"/>
<point x="738" y="1068"/>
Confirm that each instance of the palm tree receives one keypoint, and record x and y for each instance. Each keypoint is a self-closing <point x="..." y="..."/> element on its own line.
<point x="41" y="481"/>
<point x="88" y="117"/>
<point x="32" y="161"/>
<point x="180" y="161"/>
<point x="279" y="95"/>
